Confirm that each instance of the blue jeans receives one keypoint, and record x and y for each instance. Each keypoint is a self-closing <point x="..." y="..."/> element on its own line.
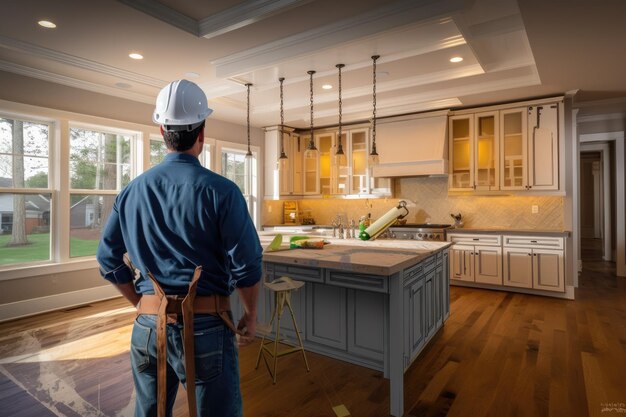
<point x="217" y="367"/>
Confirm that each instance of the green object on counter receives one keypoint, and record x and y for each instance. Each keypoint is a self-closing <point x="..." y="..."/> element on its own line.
<point x="293" y="239"/>
<point x="276" y="242"/>
<point x="364" y="235"/>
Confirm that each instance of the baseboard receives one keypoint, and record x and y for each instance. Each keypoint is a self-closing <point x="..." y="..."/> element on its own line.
<point x="25" y="308"/>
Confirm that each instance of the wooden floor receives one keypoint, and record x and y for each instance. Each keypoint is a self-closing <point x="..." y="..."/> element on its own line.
<point x="499" y="354"/>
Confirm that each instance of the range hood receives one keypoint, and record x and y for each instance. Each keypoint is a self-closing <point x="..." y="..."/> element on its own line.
<point x="412" y="145"/>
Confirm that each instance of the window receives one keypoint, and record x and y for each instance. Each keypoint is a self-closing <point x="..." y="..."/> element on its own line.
<point x="25" y="196"/>
<point x="158" y="150"/>
<point x="233" y="165"/>
<point x="100" y="166"/>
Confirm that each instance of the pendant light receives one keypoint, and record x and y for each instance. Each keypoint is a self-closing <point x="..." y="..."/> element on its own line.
<point x="340" y="156"/>
<point x="282" y="159"/>
<point x="373" y="156"/>
<point x="249" y="153"/>
<point x="311" y="151"/>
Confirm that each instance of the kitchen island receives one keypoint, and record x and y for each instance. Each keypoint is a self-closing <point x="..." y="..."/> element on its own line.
<point x="367" y="303"/>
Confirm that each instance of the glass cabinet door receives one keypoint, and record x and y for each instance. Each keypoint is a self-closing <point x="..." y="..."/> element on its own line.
<point x="513" y="153"/>
<point x="461" y="152"/>
<point x="358" y="160"/>
<point x="325" y="147"/>
<point x="486" y="151"/>
<point x="310" y="170"/>
<point x="340" y="170"/>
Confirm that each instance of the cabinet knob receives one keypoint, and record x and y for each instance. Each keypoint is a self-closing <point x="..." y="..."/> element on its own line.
<point x="530" y="254"/>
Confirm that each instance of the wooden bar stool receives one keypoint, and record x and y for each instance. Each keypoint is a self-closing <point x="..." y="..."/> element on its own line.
<point x="281" y="288"/>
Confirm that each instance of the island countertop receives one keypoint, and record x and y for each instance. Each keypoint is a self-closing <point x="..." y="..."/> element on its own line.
<point x="375" y="257"/>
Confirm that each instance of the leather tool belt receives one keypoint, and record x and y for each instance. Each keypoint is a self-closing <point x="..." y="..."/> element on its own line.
<point x="168" y="308"/>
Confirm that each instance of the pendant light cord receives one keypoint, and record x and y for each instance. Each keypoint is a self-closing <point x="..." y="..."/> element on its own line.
<point x="282" y="121"/>
<point x="373" y="152"/>
<point x="339" y="146"/>
<point x="311" y="140"/>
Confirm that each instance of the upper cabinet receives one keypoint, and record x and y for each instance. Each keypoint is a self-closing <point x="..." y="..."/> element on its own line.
<point x="285" y="182"/>
<point x="508" y="149"/>
<point x="543" y="147"/>
<point x="474" y="142"/>
<point x="326" y="175"/>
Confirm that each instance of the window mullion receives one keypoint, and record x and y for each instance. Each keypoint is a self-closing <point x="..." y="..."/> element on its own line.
<point x="61" y="226"/>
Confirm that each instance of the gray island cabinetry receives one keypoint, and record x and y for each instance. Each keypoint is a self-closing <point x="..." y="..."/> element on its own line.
<point x="367" y="305"/>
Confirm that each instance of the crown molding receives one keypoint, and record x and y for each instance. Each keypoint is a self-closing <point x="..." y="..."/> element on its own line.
<point x="67" y="59"/>
<point x="72" y="82"/>
<point x="244" y="14"/>
<point x="384" y="18"/>
<point x="165" y="14"/>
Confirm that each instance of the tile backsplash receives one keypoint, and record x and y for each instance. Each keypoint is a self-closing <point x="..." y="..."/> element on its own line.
<point x="428" y="201"/>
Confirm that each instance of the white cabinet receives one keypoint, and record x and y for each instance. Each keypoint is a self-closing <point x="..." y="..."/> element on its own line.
<point x="476" y="258"/>
<point x="543" y="147"/>
<point x="534" y="262"/>
<point x="310" y="170"/>
<point x="508" y="149"/>
<point x="286" y="182"/>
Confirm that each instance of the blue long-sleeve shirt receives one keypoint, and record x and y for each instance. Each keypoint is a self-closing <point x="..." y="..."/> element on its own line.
<point x="174" y="217"/>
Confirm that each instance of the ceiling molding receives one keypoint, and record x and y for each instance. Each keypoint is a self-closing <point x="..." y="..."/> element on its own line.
<point x="67" y="59"/>
<point x="244" y="14"/>
<point x="73" y="82"/>
<point x="383" y="87"/>
<point x="165" y="14"/>
<point x="384" y="18"/>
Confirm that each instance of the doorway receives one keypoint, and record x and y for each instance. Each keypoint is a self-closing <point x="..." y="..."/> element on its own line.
<point x="602" y="227"/>
<point x="597" y="202"/>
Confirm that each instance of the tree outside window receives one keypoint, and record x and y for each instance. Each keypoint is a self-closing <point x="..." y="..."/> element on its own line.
<point x="24" y="216"/>
<point x="99" y="168"/>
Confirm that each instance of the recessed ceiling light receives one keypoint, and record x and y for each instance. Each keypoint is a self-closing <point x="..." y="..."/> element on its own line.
<point x="456" y="59"/>
<point x="192" y="74"/>
<point x="327" y="87"/>
<point x="47" y="24"/>
<point x="123" y="85"/>
<point x="382" y="73"/>
<point x="135" y="55"/>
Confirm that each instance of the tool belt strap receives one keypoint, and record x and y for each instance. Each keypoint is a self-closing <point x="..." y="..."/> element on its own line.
<point x="167" y="308"/>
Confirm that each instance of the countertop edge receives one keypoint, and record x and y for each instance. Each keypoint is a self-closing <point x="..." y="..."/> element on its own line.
<point x="529" y="232"/>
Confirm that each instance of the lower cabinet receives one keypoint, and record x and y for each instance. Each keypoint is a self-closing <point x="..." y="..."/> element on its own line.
<point x="534" y="262"/>
<point x="415" y="318"/>
<point x="326" y="315"/>
<point x="480" y="264"/>
<point x="518" y="261"/>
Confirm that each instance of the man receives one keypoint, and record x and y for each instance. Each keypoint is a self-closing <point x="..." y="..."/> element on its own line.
<point x="188" y="234"/>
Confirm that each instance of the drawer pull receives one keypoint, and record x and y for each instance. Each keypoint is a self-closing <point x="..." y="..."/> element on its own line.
<point x="533" y="241"/>
<point x="476" y="238"/>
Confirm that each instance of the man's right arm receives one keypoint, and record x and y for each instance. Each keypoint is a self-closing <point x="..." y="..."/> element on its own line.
<point x="249" y="297"/>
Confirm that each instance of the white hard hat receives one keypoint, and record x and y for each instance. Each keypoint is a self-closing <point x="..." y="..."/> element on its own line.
<point x="181" y="105"/>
